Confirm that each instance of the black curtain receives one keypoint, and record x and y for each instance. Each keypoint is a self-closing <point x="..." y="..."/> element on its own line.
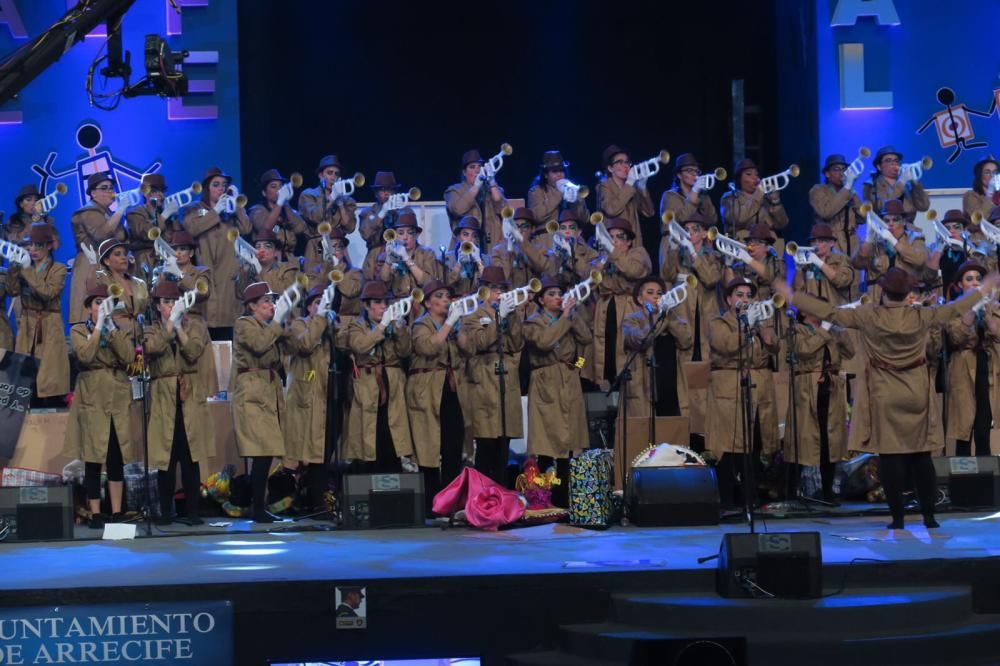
<point x="409" y="86"/>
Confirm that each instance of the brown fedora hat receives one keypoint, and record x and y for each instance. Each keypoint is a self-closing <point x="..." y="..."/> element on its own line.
<point x="739" y="282"/>
<point x="897" y="282"/>
<point x="553" y="160"/>
<point x="494" y="275"/>
<point x="167" y="289"/>
<point x="385" y="180"/>
<point x="328" y="161"/>
<point x="609" y="154"/>
<point x="470" y="156"/>
<point x="255" y="291"/>
<point x="375" y="290"/>
<point x="643" y="282"/>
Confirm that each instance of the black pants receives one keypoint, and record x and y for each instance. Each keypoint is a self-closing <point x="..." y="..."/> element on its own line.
<point x="827" y="468"/>
<point x="983" y="422"/>
<point x="560" y="492"/>
<point x="492" y="454"/>
<point x="452" y="440"/>
<point x="220" y="333"/>
<point x="180" y="452"/>
<point x="611" y="342"/>
<point x="259" y="468"/>
<point x="893" y="470"/>
<point x="386" y="460"/>
<point x="114" y="463"/>
<point x="316" y="484"/>
<point x="730" y="473"/>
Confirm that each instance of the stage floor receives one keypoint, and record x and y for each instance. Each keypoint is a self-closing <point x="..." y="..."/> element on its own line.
<point x="305" y="551"/>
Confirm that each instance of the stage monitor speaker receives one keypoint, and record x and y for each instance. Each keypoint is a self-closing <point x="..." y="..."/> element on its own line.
<point x="714" y="651"/>
<point x="665" y="496"/>
<point x="783" y="564"/>
<point x="383" y="500"/>
<point x="670" y="429"/>
<point x="38" y="513"/>
<point x="972" y="482"/>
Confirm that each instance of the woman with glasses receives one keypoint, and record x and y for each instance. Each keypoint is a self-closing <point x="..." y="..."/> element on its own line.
<point x="526" y="258"/>
<point x="984" y="194"/>
<point x="464" y="269"/>
<point x="209" y="222"/>
<point x="763" y="266"/>
<point x="92" y="225"/>
<point x="681" y="199"/>
<point x="890" y="181"/>
<point x="97" y="431"/>
<point x="40" y="330"/>
<point x="621" y="268"/>
<point x="905" y="249"/>
<point x="259" y="342"/>
<point x="618" y="197"/>
<point x="546" y="198"/>
<point x="179" y="421"/>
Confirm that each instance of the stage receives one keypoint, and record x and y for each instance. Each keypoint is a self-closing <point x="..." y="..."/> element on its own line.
<point x="521" y="595"/>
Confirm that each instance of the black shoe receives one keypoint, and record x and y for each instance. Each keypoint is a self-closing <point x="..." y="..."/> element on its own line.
<point x="98" y="521"/>
<point x="930" y="523"/>
<point x="896" y="524"/>
<point x="163" y="521"/>
<point x="265" y="517"/>
<point x="193" y="520"/>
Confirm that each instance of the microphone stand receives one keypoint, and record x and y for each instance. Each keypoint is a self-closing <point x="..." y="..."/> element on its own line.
<point x="625" y="375"/>
<point x="144" y="381"/>
<point x="501" y="372"/>
<point x="746" y="405"/>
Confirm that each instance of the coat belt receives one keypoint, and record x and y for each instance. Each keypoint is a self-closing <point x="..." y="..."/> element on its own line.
<point x="450" y="370"/>
<point x="571" y="366"/>
<point x="183" y="387"/>
<point x="882" y="365"/>
<point x="376" y="369"/>
<point x="272" y="371"/>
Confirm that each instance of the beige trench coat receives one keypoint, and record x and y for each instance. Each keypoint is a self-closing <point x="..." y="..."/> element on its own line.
<point x="898" y="417"/>
<point x="627" y="202"/>
<point x="477" y="338"/>
<point x="40" y="329"/>
<point x="740" y="211"/>
<point x="815" y="283"/>
<point x="372" y="351"/>
<point x="839" y="209"/>
<point x="545" y="204"/>
<point x="171" y="362"/>
<point x="635" y="328"/>
<point x="963" y="341"/>
<point x="315" y="209"/>
<point x="725" y="417"/>
<point x="102" y="396"/>
<point x="461" y="200"/>
<point x="911" y="256"/>
<point x="91" y="226"/>
<point x="430" y="367"/>
<point x="216" y="252"/>
<point x="557" y="416"/>
<point x="682" y="207"/>
<point x="913" y="194"/>
<point x="207" y="373"/>
<point x="810" y="376"/>
<point x="258" y="399"/>
<point x="619" y="281"/>
<point x="308" y="342"/>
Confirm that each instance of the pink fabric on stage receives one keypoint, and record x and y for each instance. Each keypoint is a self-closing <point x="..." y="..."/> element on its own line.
<point x="487" y="504"/>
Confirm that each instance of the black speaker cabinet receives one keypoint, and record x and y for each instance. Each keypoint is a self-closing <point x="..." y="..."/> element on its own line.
<point x="971" y="481"/>
<point x="38" y="513"/>
<point x="664" y="496"/>
<point x="784" y="564"/>
<point x="725" y="651"/>
<point x="383" y="500"/>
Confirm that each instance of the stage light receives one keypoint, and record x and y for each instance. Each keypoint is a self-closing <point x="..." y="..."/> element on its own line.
<point x="249" y="552"/>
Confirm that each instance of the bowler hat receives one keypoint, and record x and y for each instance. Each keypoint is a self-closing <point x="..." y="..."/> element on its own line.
<point x="494" y="275"/>
<point x="328" y="161"/>
<point x="255" y="291"/>
<point x="896" y="282"/>
<point x="553" y="159"/>
<point x="739" y="282"/>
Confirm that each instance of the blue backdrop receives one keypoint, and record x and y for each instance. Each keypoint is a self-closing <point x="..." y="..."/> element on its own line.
<point x="51" y="134"/>
<point x="880" y="66"/>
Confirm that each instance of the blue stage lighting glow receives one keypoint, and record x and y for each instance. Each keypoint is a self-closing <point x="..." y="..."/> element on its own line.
<point x="248" y="552"/>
